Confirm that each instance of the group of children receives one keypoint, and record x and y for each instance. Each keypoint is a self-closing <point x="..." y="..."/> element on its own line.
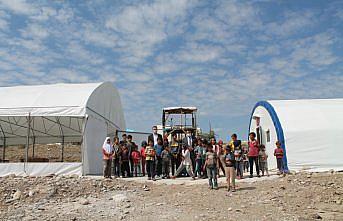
<point x="203" y="159"/>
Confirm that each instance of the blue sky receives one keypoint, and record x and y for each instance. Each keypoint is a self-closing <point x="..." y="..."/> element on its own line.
<point x="221" y="56"/>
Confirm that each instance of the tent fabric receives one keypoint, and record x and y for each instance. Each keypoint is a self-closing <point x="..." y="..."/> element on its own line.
<point x="84" y="113"/>
<point x="40" y="169"/>
<point x="312" y="132"/>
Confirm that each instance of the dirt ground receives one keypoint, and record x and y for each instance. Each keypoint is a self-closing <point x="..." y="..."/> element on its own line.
<point x="48" y="152"/>
<point x="303" y="196"/>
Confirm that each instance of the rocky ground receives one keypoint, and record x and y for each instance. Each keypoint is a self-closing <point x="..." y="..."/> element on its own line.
<point x="301" y="196"/>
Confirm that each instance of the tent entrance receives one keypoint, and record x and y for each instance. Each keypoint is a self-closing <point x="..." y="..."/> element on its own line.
<point x="40" y="138"/>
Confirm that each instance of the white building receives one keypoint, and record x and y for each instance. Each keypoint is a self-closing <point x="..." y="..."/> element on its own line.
<point x="311" y="132"/>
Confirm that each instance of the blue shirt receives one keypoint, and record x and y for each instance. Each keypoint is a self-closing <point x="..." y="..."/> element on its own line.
<point x="159" y="149"/>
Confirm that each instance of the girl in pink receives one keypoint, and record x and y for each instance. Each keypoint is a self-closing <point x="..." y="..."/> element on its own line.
<point x="253" y="154"/>
<point x="144" y="144"/>
<point x="278" y="153"/>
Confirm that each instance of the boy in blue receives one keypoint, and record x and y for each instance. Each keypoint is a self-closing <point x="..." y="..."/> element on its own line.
<point x="199" y="158"/>
<point x="159" y="148"/>
<point x="230" y="169"/>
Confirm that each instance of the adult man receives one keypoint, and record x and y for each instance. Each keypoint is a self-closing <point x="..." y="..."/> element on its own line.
<point x="154" y="136"/>
<point x="188" y="140"/>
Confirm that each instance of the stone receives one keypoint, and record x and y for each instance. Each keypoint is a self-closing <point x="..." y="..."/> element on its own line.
<point x="84" y="202"/>
<point x="17" y="195"/>
<point x="119" y="198"/>
<point x="31" y="193"/>
<point x="229" y="209"/>
<point x="317" y="216"/>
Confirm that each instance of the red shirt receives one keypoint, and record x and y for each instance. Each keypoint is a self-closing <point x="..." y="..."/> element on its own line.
<point x="136" y="156"/>
<point x="253" y="148"/>
<point x="143" y="152"/>
<point x="278" y="152"/>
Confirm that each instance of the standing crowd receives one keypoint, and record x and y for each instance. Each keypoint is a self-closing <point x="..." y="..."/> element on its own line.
<point x="160" y="158"/>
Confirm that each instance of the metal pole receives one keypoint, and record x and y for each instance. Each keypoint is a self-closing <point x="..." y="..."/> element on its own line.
<point x="27" y="141"/>
<point x="62" y="148"/>
<point x="33" y="147"/>
<point x="3" y="151"/>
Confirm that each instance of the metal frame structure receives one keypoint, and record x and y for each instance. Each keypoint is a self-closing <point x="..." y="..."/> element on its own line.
<point x="34" y="134"/>
<point x="183" y="112"/>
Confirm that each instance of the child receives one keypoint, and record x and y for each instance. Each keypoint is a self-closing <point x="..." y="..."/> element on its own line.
<point x="125" y="162"/>
<point x="199" y="154"/>
<point x="116" y="157"/>
<point x="278" y="153"/>
<point x="166" y="157"/>
<point x="230" y="169"/>
<point x="211" y="167"/>
<point x="253" y="154"/>
<point x="136" y="158"/>
<point x="263" y="157"/>
<point x="159" y="148"/>
<point x="150" y="155"/>
<point x="238" y="153"/>
<point x="144" y="144"/>
<point x="245" y="160"/>
<point x="186" y="163"/>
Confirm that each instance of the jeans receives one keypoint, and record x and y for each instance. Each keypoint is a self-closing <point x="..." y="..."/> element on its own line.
<point x="165" y="168"/>
<point x="107" y="168"/>
<point x="239" y="168"/>
<point x="150" y="168"/>
<point x="198" y="167"/>
<point x="116" y="167"/>
<point x="212" y="176"/>
<point x="279" y="163"/>
<point x="125" y="167"/>
<point x="159" y="166"/>
<point x="251" y="163"/>
<point x="174" y="164"/>
<point x="137" y="169"/>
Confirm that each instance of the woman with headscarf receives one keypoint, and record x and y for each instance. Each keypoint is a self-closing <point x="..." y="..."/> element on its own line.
<point x="107" y="152"/>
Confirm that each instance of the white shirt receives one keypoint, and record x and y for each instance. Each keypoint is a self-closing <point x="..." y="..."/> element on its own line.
<point x="155" y="138"/>
<point x="189" y="141"/>
<point x="187" y="157"/>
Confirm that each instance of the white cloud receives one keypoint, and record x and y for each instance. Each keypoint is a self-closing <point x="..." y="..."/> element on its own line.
<point x="18" y="6"/>
<point x="35" y="31"/>
<point x="291" y="24"/>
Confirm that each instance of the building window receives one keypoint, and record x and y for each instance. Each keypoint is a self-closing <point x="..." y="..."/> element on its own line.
<point x="268" y="135"/>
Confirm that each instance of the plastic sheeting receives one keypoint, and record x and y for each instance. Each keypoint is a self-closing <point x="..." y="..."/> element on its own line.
<point x="40" y="169"/>
<point x="312" y="132"/>
<point x="84" y="113"/>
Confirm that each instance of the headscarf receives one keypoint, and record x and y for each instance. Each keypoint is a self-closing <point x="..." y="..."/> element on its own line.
<point x="107" y="146"/>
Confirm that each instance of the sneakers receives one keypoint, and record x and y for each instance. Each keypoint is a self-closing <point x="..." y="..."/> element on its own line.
<point x="251" y="176"/>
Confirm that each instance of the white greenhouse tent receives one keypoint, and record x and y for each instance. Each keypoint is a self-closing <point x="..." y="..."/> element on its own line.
<point x="58" y="113"/>
<point x="311" y="132"/>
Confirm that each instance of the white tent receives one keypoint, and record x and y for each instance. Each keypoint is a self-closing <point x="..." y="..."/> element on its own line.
<point x="311" y="132"/>
<point x="44" y="114"/>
